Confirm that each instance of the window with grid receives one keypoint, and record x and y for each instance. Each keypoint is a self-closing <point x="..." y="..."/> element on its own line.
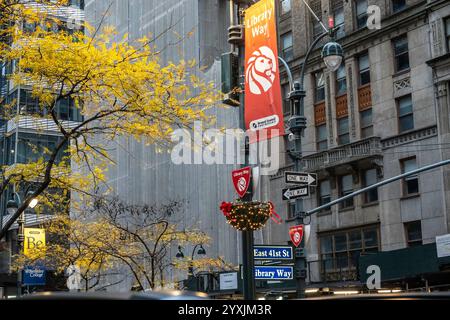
<point x="413" y="232"/>
<point x="341" y="80"/>
<point x="285" y="6"/>
<point x="447" y="33"/>
<point x="29" y="104"/>
<point x="343" y="131"/>
<point x="366" y="123"/>
<point x="410" y="183"/>
<point x="405" y="114"/>
<point x="322" y="140"/>
<point x="370" y="178"/>
<point x="401" y="53"/>
<point x="364" y="69"/>
<point x="346" y="187"/>
<point x="286" y="46"/>
<point x="319" y="88"/>
<point x="339" y="20"/>
<point x="340" y="251"/>
<point x="324" y="192"/>
<point x="31" y="147"/>
<point x="317" y="9"/>
<point x="361" y="13"/>
<point x="398" y="5"/>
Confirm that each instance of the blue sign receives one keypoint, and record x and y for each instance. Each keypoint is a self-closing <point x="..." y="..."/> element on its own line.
<point x="274" y="273"/>
<point x="272" y="253"/>
<point x="33" y="276"/>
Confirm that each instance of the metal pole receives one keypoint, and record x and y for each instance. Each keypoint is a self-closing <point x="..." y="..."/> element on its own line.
<point x="247" y="236"/>
<point x="20" y="242"/>
<point x="297" y="125"/>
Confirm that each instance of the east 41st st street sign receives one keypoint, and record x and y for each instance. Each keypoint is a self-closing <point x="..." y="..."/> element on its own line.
<point x="272" y="253"/>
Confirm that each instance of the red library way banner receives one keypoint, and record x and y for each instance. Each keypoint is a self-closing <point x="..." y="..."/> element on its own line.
<point x="263" y="104"/>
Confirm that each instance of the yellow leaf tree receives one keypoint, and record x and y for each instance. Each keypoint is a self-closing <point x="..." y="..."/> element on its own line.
<point x="143" y="238"/>
<point x="117" y="88"/>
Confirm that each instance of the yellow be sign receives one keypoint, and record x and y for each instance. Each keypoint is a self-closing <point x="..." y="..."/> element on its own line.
<point x="34" y="240"/>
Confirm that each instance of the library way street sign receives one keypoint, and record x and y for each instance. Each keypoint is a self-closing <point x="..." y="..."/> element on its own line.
<point x="274" y="273"/>
<point x="295" y="192"/>
<point x="271" y="252"/>
<point x="302" y="178"/>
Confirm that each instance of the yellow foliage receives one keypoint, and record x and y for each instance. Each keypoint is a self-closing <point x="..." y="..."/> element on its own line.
<point x="120" y="89"/>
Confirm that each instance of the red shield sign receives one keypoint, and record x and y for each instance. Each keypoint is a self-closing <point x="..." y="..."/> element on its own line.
<point x="241" y="180"/>
<point x="296" y="234"/>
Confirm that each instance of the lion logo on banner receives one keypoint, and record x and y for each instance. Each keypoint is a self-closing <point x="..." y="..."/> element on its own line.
<point x="261" y="69"/>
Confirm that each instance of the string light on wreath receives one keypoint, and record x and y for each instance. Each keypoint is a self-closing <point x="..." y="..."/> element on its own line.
<point x="249" y="215"/>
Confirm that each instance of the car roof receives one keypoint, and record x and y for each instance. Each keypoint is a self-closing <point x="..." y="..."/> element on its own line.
<point x="390" y="296"/>
<point x="104" y="295"/>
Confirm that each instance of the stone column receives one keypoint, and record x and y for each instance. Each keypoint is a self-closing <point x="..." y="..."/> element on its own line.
<point x="330" y="107"/>
<point x="352" y="100"/>
<point x="442" y="98"/>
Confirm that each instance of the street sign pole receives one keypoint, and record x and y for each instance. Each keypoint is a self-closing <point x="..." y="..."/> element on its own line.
<point x="247" y="235"/>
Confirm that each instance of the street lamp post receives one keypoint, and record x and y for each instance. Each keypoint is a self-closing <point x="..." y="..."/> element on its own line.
<point x="201" y="251"/>
<point x="332" y="55"/>
<point x="11" y="207"/>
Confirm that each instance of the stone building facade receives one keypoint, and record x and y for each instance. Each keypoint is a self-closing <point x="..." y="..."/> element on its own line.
<point x="383" y="113"/>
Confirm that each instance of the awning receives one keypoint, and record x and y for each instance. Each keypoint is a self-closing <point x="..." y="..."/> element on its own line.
<point x="404" y="263"/>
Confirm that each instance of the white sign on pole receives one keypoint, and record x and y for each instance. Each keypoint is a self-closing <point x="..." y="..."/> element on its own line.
<point x="229" y="281"/>
<point x="443" y="246"/>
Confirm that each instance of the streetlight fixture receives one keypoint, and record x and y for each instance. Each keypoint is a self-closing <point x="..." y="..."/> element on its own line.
<point x="332" y="55"/>
<point x="180" y="254"/>
<point x="13" y="205"/>
<point x="201" y="251"/>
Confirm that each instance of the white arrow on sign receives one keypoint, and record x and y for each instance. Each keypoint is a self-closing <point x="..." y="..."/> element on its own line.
<point x="296" y="192"/>
<point x="301" y="178"/>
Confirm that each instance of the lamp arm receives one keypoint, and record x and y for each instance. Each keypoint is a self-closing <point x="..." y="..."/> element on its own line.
<point x="19" y="199"/>
<point x="308" y="53"/>
<point x="288" y="71"/>
<point x="193" y="251"/>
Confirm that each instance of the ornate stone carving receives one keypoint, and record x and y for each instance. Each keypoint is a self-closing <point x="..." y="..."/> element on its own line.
<point x="409" y="137"/>
<point x="442" y="89"/>
<point x="351" y="103"/>
<point x="330" y="114"/>
<point x="402" y="84"/>
<point x="436" y="39"/>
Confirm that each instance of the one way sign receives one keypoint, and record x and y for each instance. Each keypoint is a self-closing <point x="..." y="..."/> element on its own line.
<point x="295" y="192"/>
<point x="305" y="178"/>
